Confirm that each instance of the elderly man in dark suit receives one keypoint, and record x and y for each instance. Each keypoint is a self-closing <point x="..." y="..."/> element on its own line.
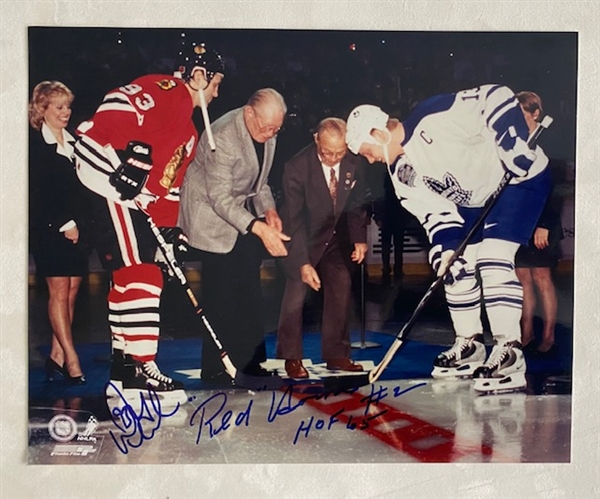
<point x="228" y="213"/>
<point x="324" y="214"/>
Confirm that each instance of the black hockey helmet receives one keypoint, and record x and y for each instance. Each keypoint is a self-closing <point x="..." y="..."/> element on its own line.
<point x="198" y="55"/>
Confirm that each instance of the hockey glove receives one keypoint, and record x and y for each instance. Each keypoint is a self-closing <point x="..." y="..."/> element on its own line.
<point x="176" y="248"/>
<point x="439" y="259"/>
<point x="515" y="155"/>
<point x="129" y="178"/>
<point x="177" y="241"/>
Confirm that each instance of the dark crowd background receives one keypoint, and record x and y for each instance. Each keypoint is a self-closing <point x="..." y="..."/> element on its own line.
<point x="320" y="73"/>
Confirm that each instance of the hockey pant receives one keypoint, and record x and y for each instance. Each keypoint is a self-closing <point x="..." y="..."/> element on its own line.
<point x="490" y="279"/>
<point x="127" y="247"/>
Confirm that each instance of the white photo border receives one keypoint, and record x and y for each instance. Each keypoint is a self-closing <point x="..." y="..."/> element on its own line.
<point x="578" y="479"/>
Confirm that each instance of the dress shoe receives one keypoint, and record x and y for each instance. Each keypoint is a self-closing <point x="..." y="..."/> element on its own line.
<point x="551" y="353"/>
<point x="217" y="379"/>
<point x="530" y="348"/>
<point x="73" y="380"/>
<point x="295" y="369"/>
<point x="52" y="369"/>
<point x="257" y="370"/>
<point x="343" y="365"/>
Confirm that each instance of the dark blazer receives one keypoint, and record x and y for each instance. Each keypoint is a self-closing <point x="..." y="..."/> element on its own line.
<point x="308" y="215"/>
<point x="325" y="238"/>
<point x="55" y="196"/>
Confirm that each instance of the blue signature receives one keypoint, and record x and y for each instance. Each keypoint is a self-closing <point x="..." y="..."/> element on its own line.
<point x="286" y="404"/>
<point x="135" y="428"/>
<point x="372" y="399"/>
<point x="216" y="420"/>
<point x="212" y="417"/>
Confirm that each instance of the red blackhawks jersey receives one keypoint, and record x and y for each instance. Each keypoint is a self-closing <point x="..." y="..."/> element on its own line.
<point x="156" y="110"/>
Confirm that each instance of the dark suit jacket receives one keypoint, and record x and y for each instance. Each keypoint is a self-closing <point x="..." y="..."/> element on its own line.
<point x="55" y="196"/>
<point x="308" y="215"/>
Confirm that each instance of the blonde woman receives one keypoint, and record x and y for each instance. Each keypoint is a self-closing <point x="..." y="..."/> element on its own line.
<point x="56" y="208"/>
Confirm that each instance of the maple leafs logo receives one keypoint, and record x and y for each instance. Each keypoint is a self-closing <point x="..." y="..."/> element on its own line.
<point x="450" y="189"/>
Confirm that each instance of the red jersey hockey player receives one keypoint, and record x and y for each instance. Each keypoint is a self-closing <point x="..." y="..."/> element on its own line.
<point x="133" y="154"/>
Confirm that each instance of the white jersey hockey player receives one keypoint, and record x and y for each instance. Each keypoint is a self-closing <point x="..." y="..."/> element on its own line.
<point x="445" y="160"/>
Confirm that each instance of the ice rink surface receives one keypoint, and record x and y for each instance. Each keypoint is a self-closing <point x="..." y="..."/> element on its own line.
<point x="406" y="417"/>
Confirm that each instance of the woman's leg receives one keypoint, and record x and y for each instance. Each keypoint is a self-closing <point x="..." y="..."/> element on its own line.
<point x="525" y="277"/>
<point x="60" y="319"/>
<point x="74" y="283"/>
<point x="542" y="277"/>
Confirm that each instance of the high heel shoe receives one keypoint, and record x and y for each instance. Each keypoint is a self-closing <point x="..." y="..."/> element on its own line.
<point x="73" y="380"/>
<point x="551" y="353"/>
<point x="52" y="368"/>
<point x="530" y="348"/>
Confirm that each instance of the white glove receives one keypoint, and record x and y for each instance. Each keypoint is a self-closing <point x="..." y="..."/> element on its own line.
<point x="439" y="261"/>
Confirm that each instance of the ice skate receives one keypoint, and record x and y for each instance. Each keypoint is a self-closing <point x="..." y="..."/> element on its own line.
<point x="143" y="380"/>
<point x="460" y="361"/>
<point x="504" y="371"/>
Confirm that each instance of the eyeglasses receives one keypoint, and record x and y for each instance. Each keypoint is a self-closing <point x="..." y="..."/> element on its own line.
<point x="324" y="150"/>
<point x="335" y="155"/>
<point x="271" y="129"/>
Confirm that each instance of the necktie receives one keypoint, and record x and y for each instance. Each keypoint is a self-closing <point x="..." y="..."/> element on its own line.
<point x="333" y="183"/>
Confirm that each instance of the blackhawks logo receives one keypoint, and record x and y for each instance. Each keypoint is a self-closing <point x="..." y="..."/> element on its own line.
<point x="166" y="84"/>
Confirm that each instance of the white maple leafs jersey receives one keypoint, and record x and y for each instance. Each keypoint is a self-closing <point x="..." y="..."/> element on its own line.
<point x="457" y="149"/>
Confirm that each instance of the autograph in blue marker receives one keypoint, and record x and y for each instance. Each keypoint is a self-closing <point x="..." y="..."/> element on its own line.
<point x="134" y="428"/>
<point x="371" y="400"/>
<point x="211" y="415"/>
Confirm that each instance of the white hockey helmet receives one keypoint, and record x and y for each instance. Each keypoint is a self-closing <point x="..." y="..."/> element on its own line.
<point x="361" y="121"/>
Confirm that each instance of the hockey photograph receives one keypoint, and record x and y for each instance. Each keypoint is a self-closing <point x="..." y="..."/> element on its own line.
<point x="256" y="246"/>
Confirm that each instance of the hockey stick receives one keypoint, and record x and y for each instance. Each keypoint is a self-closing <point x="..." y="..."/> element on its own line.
<point x="400" y="338"/>
<point x="241" y="379"/>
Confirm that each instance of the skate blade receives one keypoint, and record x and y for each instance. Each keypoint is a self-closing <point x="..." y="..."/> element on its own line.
<point x="513" y="383"/>
<point x="462" y="372"/>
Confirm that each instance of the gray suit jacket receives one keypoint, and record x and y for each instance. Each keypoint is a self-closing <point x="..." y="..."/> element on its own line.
<point x="218" y="184"/>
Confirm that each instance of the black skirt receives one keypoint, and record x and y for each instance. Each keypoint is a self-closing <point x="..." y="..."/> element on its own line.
<point x="55" y="256"/>
<point x="529" y="256"/>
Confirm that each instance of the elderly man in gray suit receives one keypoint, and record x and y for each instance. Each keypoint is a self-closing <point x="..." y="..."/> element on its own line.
<point x="228" y="213"/>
